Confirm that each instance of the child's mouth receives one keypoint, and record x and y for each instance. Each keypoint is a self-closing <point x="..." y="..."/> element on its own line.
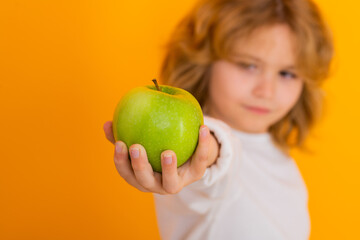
<point x="257" y="110"/>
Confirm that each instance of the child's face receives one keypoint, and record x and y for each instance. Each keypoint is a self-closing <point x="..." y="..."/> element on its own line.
<point x="261" y="85"/>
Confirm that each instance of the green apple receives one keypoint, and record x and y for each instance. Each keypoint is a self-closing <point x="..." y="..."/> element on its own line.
<point x="159" y="118"/>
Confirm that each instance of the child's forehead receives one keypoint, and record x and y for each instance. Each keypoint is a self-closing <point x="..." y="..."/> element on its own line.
<point x="273" y="43"/>
<point x="268" y="36"/>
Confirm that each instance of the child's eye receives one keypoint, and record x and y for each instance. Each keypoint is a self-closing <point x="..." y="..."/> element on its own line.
<point x="288" y="75"/>
<point x="247" y="66"/>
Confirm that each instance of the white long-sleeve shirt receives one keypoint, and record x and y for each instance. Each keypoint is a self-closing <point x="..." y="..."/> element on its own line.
<point x="252" y="192"/>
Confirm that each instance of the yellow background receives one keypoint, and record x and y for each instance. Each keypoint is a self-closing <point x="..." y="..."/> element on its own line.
<point x="63" y="67"/>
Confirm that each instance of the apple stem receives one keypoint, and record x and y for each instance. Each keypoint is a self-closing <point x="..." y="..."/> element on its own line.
<point x="156" y="84"/>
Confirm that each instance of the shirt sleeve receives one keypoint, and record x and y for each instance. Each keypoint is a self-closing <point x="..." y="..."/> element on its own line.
<point x="219" y="175"/>
<point x="217" y="183"/>
<point x="223" y="135"/>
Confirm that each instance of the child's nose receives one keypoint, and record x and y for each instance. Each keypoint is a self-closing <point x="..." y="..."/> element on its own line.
<point x="265" y="87"/>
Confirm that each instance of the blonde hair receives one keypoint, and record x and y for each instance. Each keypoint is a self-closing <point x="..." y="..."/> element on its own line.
<point x="209" y="31"/>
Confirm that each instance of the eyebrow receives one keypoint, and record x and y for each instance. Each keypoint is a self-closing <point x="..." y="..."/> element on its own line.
<point x="248" y="56"/>
<point x="290" y="67"/>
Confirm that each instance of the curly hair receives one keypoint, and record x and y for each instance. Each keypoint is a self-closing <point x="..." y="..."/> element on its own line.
<point x="209" y="31"/>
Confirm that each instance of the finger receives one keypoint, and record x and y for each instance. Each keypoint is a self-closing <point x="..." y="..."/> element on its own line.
<point x="108" y="129"/>
<point x="143" y="171"/>
<point x="199" y="160"/>
<point x="123" y="165"/>
<point x="170" y="177"/>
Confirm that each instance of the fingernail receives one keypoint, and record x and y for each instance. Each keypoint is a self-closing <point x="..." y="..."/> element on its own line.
<point x="118" y="147"/>
<point x="203" y="132"/>
<point x="134" y="152"/>
<point x="168" y="159"/>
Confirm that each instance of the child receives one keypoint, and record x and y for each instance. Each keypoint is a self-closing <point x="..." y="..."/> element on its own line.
<point x="256" y="68"/>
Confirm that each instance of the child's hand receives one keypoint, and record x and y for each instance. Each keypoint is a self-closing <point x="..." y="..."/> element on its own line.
<point x="139" y="173"/>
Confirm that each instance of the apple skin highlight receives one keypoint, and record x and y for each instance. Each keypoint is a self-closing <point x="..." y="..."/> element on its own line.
<point x="169" y="119"/>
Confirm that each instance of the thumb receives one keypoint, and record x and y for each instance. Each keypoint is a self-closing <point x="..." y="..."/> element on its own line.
<point x="200" y="158"/>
